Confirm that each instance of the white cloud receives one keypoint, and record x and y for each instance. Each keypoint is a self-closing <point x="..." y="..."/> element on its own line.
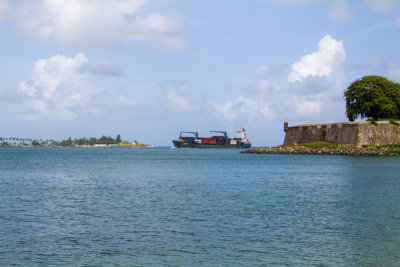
<point x="339" y="10"/>
<point x="60" y="89"/>
<point x="26" y="89"/>
<point x="321" y="63"/>
<point x="176" y="101"/>
<point x="56" y="87"/>
<point x="320" y="89"/>
<point x="88" y="24"/>
<point x="49" y="74"/>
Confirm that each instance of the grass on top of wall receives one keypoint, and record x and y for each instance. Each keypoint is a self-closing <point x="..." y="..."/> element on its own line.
<point x="315" y="145"/>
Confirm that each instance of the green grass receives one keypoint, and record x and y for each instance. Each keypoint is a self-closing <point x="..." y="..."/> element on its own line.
<point x="393" y="151"/>
<point x="390" y="120"/>
<point x="315" y="145"/>
<point x="384" y="119"/>
<point x="391" y="146"/>
<point x="387" y="119"/>
<point x="125" y="143"/>
<point x="369" y="146"/>
<point x="320" y="144"/>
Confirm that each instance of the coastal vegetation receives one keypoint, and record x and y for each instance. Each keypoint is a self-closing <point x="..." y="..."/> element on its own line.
<point x="16" y="141"/>
<point x="318" y="144"/>
<point x="328" y="148"/>
<point x="373" y="97"/>
<point x="88" y="142"/>
<point x="107" y="140"/>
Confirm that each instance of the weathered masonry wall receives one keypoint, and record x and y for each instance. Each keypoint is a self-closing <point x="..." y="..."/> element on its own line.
<point x="357" y="133"/>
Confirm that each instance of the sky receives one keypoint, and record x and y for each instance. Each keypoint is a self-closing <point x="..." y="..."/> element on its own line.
<point x="149" y="69"/>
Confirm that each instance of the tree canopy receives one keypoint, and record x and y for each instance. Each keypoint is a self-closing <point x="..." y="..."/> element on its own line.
<point x="373" y="97"/>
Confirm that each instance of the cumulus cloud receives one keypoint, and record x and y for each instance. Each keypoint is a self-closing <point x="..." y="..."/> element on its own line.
<point x="319" y="85"/>
<point x="321" y="63"/>
<point x="27" y="89"/>
<point x="56" y="86"/>
<point x="177" y="101"/>
<point x="49" y="74"/>
<point x="60" y="88"/>
<point x="339" y="10"/>
<point x="286" y="103"/>
<point x="88" y="24"/>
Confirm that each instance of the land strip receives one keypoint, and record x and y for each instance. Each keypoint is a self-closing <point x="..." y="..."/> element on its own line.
<point x="326" y="148"/>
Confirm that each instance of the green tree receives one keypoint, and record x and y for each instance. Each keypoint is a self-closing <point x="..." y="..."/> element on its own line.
<point x="67" y="142"/>
<point x="106" y="140"/>
<point x="118" y="139"/>
<point x="35" y="143"/>
<point x="373" y="97"/>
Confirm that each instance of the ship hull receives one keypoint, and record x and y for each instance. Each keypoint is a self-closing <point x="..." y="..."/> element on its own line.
<point x="180" y="144"/>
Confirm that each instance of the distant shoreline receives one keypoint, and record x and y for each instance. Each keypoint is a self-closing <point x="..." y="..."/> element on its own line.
<point x="84" y="146"/>
<point x="104" y="141"/>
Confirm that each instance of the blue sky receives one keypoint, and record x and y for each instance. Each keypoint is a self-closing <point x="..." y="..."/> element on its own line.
<point x="149" y="69"/>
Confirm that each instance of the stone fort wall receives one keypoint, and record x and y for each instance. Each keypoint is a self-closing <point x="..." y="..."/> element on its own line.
<point x="356" y="133"/>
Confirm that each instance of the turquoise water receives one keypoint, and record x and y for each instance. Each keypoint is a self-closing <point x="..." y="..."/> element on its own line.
<point x="188" y="207"/>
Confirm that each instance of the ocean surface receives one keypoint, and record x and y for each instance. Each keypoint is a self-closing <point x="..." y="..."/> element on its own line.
<point x="196" y="207"/>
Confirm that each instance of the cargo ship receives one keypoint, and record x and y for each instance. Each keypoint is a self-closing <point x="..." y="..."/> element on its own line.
<point x="216" y="141"/>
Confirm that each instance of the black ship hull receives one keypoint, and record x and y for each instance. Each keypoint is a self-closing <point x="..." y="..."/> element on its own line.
<point x="182" y="144"/>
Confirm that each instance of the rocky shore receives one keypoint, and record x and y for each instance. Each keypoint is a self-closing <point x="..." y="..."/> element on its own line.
<point x="339" y="150"/>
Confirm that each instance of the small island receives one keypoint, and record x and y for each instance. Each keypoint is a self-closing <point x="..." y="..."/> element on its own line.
<point x="372" y="97"/>
<point x="104" y="141"/>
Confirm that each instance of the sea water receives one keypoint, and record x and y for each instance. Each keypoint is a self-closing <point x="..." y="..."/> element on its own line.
<point x="196" y="207"/>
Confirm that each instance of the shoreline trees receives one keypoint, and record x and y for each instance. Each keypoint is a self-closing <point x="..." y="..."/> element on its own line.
<point x="373" y="97"/>
<point x="15" y="141"/>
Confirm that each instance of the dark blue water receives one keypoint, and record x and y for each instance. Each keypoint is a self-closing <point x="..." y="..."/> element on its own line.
<point x="184" y="207"/>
